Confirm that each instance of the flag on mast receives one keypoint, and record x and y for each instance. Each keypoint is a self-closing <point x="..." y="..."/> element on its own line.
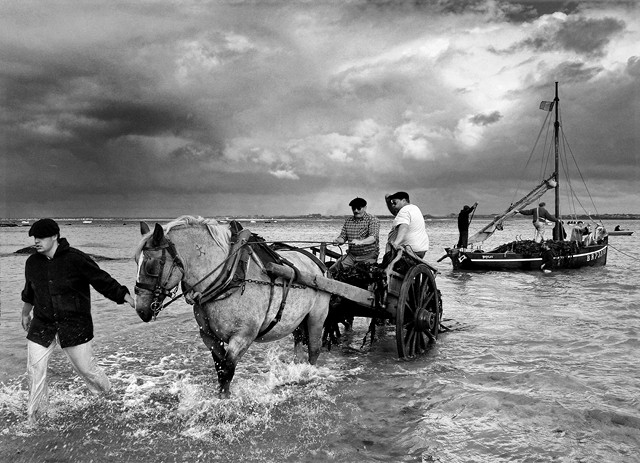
<point x="546" y="105"/>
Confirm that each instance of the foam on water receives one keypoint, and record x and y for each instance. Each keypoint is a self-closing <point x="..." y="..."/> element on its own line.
<point x="535" y="368"/>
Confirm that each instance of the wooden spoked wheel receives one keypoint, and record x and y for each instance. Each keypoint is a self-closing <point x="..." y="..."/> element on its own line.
<point x="418" y="312"/>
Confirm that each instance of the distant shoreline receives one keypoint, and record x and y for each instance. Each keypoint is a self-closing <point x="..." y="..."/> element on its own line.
<point x="24" y="222"/>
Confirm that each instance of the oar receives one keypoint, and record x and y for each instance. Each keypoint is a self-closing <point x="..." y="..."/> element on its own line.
<point x="473" y="213"/>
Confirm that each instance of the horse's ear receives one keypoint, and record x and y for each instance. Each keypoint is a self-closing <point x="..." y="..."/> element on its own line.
<point x="158" y="234"/>
<point x="144" y="228"/>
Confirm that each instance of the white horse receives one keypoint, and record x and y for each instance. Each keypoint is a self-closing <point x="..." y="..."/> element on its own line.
<point x="231" y="311"/>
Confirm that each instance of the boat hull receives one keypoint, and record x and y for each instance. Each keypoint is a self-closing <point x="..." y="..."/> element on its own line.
<point x="589" y="256"/>
<point x="620" y="233"/>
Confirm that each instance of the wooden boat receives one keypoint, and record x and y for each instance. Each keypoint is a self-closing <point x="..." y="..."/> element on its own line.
<point x="528" y="255"/>
<point x="620" y="233"/>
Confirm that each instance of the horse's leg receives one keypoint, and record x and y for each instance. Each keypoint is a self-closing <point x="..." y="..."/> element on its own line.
<point x="224" y="369"/>
<point x="238" y="345"/>
<point x="315" y="322"/>
<point x="300" y="337"/>
<point x="219" y="354"/>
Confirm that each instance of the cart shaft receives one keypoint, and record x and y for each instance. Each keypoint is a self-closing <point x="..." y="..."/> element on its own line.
<point x="353" y="293"/>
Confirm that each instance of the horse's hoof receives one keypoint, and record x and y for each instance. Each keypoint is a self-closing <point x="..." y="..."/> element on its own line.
<point x="224" y="394"/>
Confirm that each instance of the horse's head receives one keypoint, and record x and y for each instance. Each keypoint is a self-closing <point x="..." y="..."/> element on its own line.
<point x="159" y="271"/>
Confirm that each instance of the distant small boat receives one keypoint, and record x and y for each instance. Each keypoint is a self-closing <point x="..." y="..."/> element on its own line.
<point x="87" y="221"/>
<point x="620" y="233"/>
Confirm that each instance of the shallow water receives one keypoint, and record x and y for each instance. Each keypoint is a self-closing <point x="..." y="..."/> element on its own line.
<point x="535" y="367"/>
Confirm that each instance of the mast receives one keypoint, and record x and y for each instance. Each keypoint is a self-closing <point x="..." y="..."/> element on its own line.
<point x="556" y="134"/>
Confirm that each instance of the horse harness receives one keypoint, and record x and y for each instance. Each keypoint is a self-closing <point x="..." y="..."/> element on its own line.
<point x="233" y="274"/>
<point x="154" y="268"/>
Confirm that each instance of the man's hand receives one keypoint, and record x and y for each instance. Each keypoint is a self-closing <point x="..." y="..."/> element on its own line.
<point x="130" y="300"/>
<point x="26" y="315"/>
<point x="26" y="321"/>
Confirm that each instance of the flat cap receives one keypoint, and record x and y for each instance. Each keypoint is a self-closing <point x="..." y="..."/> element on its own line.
<point x="358" y="202"/>
<point x="399" y="195"/>
<point x="44" y="228"/>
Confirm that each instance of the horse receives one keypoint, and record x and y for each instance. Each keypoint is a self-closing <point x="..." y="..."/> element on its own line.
<point x="235" y="302"/>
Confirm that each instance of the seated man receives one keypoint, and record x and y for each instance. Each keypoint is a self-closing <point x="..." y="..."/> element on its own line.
<point x="362" y="233"/>
<point x="576" y="232"/>
<point x="587" y="236"/>
<point x="408" y="228"/>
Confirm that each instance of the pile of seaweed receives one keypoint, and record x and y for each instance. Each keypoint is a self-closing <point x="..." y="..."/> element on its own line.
<point x="529" y="248"/>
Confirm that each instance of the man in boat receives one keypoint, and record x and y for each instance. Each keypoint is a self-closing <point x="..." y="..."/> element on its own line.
<point x="539" y="213"/>
<point x="463" y="225"/>
<point x="578" y="231"/>
<point x="57" y="291"/>
<point x="362" y="233"/>
<point x="408" y="227"/>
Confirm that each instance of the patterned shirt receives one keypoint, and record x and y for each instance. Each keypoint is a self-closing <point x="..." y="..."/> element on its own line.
<point x="361" y="228"/>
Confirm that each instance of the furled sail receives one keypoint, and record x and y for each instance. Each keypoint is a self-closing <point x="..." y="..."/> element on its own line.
<point x="496" y="224"/>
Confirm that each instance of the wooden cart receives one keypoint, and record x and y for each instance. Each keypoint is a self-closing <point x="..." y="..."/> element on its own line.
<point x="408" y="297"/>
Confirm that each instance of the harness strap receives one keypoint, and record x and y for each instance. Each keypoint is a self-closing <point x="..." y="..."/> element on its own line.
<point x="278" y="317"/>
<point x="227" y="282"/>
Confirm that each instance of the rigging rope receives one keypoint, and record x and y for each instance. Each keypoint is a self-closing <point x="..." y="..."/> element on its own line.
<point x="544" y="124"/>
<point x="624" y="253"/>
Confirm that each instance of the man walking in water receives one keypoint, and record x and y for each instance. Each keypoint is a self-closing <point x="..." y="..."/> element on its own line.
<point x="57" y="291"/>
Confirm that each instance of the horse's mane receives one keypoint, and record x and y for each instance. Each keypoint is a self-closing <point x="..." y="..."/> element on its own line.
<point x="220" y="233"/>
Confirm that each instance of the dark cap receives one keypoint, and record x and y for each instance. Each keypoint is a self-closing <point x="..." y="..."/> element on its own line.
<point x="44" y="228"/>
<point x="358" y="202"/>
<point x="400" y="195"/>
<point x="466" y="207"/>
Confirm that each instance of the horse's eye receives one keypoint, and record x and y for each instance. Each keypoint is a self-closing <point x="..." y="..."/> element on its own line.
<point x="152" y="267"/>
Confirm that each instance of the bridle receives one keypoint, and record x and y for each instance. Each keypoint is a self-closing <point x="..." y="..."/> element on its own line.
<point x="158" y="287"/>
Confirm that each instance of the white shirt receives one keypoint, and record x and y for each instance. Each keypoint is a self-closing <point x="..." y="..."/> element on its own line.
<point x="416" y="235"/>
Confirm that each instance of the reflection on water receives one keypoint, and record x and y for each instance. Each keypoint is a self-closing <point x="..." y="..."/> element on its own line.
<point x="535" y="368"/>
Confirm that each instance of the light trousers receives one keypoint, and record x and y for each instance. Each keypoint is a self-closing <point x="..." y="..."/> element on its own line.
<point x="82" y="360"/>
<point x="539" y="226"/>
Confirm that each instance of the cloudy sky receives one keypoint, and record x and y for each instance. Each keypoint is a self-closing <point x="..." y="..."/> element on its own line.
<point x="163" y="108"/>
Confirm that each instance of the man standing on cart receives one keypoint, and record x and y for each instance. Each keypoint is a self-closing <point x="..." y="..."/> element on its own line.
<point x="362" y="233"/>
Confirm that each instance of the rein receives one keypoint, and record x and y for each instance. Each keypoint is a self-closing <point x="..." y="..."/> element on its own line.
<point x="157" y="307"/>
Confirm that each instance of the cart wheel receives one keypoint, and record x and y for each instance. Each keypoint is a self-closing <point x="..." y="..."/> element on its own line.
<point x="418" y="312"/>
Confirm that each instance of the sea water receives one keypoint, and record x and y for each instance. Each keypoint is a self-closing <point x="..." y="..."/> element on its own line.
<point x="534" y="368"/>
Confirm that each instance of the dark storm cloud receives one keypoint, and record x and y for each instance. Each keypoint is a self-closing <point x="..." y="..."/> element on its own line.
<point x="584" y="36"/>
<point x="486" y="119"/>
<point x="281" y="106"/>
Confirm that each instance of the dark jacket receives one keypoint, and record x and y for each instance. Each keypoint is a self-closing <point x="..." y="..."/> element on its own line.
<point x="539" y="213"/>
<point x="463" y="217"/>
<point x="58" y="288"/>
